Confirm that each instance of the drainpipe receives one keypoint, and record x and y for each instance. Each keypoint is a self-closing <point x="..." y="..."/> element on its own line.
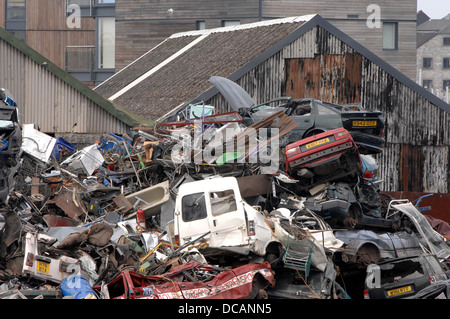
<point x="260" y="11"/>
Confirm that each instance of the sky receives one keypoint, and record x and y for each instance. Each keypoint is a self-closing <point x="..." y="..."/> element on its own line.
<point x="435" y="9"/>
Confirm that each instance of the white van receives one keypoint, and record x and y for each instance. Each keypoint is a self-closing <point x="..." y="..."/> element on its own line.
<point x="213" y="208"/>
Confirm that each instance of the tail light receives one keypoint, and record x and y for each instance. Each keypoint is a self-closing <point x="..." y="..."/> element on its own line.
<point x="141" y="219"/>
<point x="251" y="228"/>
<point x="368" y="174"/>
<point x="177" y="239"/>
<point x="292" y="151"/>
<point x="366" y="294"/>
<point x="341" y="135"/>
<point x="30" y="260"/>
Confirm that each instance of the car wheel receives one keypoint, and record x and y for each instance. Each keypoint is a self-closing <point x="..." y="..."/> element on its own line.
<point x="367" y="254"/>
<point x="258" y="291"/>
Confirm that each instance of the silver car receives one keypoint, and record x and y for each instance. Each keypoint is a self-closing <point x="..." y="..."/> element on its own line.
<point x="364" y="247"/>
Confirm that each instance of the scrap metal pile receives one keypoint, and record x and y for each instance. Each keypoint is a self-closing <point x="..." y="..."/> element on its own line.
<point x="207" y="206"/>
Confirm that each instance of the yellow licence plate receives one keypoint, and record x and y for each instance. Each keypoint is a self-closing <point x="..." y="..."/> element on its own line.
<point x="364" y="123"/>
<point x="398" y="291"/>
<point x="317" y="143"/>
<point x="42" y="267"/>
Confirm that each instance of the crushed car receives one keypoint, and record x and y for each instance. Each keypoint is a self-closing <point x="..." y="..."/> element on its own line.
<point x="212" y="211"/>
<point x="193" y="281"/>
<point x="312" y="116"/>
<point x="402" y="277"/>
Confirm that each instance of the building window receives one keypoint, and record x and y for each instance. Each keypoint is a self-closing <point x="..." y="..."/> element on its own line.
<point x="106" y="44"/>
<point x="446" y="41"/>
<point x="446" y="63"/>
<point x="427" y="63"/>
<point x="201" y="25"/>
<point x="390" y="35"/>
<point x="427" y="84"/>
<point x="15" y="10"/>
<point x="445" y="85"/>
<point x="229" y="23"/>
<point x="16" y="16"/>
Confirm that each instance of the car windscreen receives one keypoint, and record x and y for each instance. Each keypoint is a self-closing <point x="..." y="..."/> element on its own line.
<point x="402" y="269"/>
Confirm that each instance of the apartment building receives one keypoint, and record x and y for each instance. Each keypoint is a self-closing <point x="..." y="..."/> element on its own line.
<point x="433" y="56"/>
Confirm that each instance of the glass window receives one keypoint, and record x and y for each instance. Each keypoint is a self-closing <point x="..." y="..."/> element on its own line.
<point x="410" y="269"/>
<point x="79" y="2"/>
<point x="80" y="58"/>
<point x="106" y="1"/>
<point x="445" y="84"/>
<point x="390" y="35"/>
<point x="106" y="37"/>
<point x="20" y="34"/>
<point x="222" y="202"/>
<point x="324" y="110"/>
<point x="427" y="63"/>
<point x="201" y="25"/>
<point x="427" y="84"/>
<point x="15" y="10"/>
<point x="228" y="23"/>
<point x="446" y="41"/>
<point x="446" y="63"/>
<point x="193" y="207"/>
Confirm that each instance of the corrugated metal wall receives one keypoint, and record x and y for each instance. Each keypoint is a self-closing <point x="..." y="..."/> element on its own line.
<point x="416" y="155"/>
<point x="51" y="103"/>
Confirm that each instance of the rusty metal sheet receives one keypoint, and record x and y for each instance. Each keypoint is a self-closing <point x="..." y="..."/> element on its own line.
<point x="65" y="201"/>
<point x="334" y="78"/>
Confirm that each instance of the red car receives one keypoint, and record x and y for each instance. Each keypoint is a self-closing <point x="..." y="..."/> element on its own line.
<point x="194" y="281"/>
<point x="327" y="156"/>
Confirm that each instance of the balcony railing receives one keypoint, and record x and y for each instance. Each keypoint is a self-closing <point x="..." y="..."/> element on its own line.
<point x="80" y="62"/>
<point x="93" y="8"/>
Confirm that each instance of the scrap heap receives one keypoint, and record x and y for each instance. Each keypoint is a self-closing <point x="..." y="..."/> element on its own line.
<point x="214" y="207"/>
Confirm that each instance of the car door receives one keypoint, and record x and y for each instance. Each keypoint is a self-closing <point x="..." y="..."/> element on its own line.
<point x="217" y="210"/>
<point x="227" y="218"/>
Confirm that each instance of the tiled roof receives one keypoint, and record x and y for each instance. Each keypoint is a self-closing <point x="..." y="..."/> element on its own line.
<point x="178" y="69"/>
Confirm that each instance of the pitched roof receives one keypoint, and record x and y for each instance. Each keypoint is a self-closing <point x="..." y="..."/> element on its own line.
<point x="429" y="29"/>
<point x="114" y="109"/>
<point x="177" y="71"/>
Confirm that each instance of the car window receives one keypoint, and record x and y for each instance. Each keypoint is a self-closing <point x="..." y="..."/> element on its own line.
<point x="408" y="269"/>
<point x="303" y="108"/>
<point x="193" y="207"/>
<point x="321" y="109"/>
<point x="222" y="202"/>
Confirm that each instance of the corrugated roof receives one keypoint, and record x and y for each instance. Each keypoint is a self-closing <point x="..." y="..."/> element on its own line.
<point x="116" y="110"/>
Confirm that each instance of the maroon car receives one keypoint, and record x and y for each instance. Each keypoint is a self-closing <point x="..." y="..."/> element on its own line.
<point x="328" y="156"/>
<point x="194" y="281"/>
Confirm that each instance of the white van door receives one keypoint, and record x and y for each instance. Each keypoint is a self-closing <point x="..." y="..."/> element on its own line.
<point x="212" y="205"/>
